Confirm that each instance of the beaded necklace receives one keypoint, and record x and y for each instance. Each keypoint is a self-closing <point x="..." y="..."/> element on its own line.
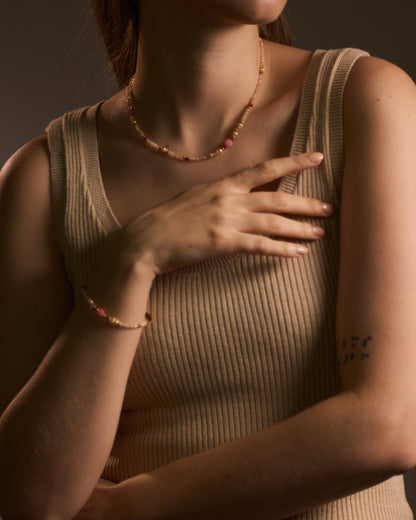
<point x="222" y="147"/>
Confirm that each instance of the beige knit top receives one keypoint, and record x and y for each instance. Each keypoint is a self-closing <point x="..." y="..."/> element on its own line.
<point x="240" y="342"/>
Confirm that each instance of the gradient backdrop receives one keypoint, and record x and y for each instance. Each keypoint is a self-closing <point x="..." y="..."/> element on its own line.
<point x="51" y="61"/>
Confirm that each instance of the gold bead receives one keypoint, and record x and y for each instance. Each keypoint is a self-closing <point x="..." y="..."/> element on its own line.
<point x="261" y="71"/>
<point x="240" y="125"/>
<point x="163" y="149"/>
<point x="235" y="133"/>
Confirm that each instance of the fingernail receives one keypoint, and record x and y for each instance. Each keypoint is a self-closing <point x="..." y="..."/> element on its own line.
<point x="301" y="250"/>
<point x="315" y="157"/>
<point x="327" y="209"/>
<point x="318" y="232"/>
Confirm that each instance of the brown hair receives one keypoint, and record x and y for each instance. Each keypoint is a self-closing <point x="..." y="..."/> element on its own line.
<point x="118" y="22"/>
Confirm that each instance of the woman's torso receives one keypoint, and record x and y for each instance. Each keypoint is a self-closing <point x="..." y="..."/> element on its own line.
<point x="240" y="342"/>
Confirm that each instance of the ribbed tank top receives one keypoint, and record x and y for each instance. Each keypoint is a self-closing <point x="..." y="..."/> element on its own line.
<point x="240" y="342"/>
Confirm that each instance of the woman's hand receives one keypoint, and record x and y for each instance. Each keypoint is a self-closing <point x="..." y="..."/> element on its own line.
<point x="225" y="217"/>
<point x="102" y="504"/>
<point x="208" y="220"/>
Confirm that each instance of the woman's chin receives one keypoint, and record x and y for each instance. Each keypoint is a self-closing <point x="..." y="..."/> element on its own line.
<point x="255" y="12"/>
<point x="261" y="11"/>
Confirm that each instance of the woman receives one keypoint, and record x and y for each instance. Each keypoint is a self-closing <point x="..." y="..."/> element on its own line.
<point x="250" y="394"/>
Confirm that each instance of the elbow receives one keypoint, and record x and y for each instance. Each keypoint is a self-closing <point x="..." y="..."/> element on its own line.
<point x="401" y="448"/>
<point x="26" y="495"/>
<point x="19" y="513"/>
<point x="390" y="445"/>
<point x="28" y="506"/>
<point x="17" y="510"/>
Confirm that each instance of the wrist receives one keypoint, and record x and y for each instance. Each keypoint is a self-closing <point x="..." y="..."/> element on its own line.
<point x="143" y="267"/>
<point x="119" y="289"/>
<point x="122" y="263"/>
<point x="135" y="259"/>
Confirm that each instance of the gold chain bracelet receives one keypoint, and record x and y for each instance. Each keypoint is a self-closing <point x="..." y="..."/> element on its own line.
<point x="111" y="320"/>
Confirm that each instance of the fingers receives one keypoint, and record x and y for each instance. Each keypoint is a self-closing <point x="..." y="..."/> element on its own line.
<point x="258" y="244"/>
<point x="279" y="202"/>
<point x="276" y="225"/>
<point x="276" y="168"/>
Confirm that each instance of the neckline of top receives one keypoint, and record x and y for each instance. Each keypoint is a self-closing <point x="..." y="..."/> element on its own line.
<point x="92" y="161"/>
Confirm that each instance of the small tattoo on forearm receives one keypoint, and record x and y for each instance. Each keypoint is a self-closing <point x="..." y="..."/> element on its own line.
<point x="353" y="348"/>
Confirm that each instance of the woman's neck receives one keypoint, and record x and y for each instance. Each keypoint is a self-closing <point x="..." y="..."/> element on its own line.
<point x="195" y="76"/>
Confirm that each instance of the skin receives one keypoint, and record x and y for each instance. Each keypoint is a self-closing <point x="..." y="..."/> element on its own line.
<point x="56" y="412"/>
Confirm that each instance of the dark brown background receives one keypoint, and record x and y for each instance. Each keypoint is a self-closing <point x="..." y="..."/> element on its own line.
<point x="51" y="61"/>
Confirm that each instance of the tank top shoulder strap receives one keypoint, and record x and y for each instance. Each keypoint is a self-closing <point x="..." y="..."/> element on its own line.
<point x="75" y="174"/>
<point x="320" y="119"/>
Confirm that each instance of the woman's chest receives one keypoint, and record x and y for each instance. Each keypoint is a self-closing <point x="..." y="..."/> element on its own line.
<point x="240" y="326"/>
<point x="137" y="179"/>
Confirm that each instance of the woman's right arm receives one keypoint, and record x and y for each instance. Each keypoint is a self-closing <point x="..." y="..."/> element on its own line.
<point x="63" y="371"/>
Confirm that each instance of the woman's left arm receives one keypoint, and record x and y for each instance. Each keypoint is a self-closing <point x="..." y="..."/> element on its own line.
<point x="367" y="433"/>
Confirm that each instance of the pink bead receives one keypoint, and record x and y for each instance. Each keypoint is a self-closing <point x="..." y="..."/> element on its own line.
<point x="101" y="313"/>
<point x="130" y="111"/>
<point x="228" y="143"/>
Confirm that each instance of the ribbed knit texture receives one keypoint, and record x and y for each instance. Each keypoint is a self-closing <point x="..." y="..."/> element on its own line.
<point x="240" y="342"/>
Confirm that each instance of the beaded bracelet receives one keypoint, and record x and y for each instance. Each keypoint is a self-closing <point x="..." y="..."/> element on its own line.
<point x="111" y="320"/>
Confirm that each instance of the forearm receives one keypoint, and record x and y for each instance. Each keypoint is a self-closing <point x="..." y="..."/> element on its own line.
<point x="56" y="435"/>
<point x="324" y="453"/>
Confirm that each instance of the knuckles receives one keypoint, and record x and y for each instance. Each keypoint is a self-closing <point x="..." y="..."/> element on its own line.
<point x="219" y="201"/>
<point x="272" y="224"/>
<point x="281" y="201"/>
<point x="218" y="238"/>
<point x="262" y="168"/>
<point x="299" y="162"/>
<point x="258" y="244"/>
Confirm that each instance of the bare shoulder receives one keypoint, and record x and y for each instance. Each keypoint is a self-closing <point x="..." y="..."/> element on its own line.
<point x="26" y="170"/>
<point x="378" y="91"/>
<point x="27" y="230"/>
<point x="36" y="149"/>
<point x="25" y="199"/>
<point x="377" y="73"/>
